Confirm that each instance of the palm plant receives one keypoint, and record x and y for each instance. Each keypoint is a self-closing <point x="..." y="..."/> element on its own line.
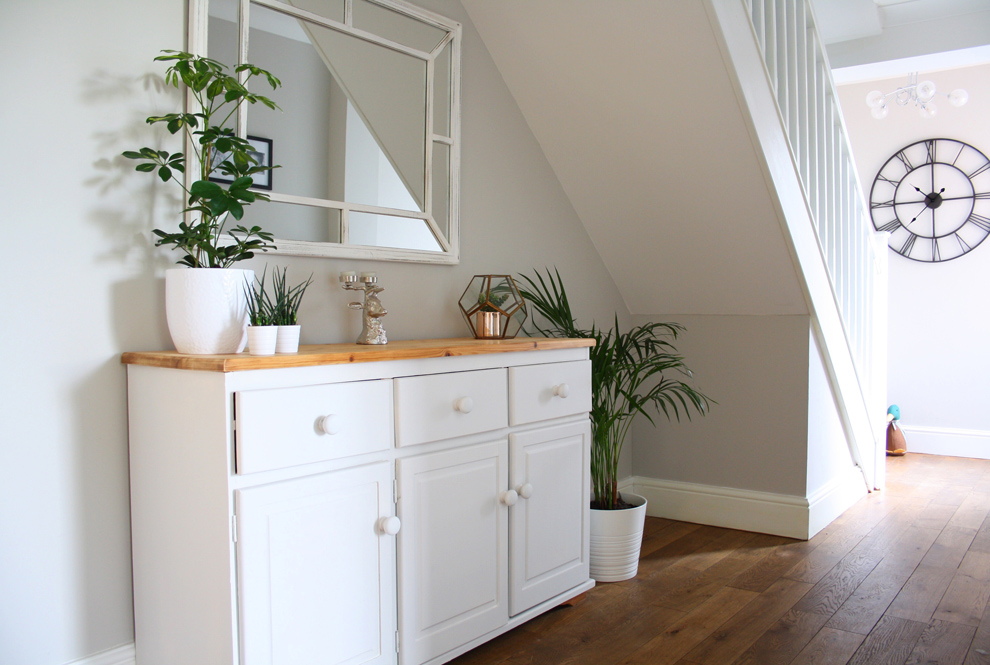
<point x="217" y="149"/>
<point x="627" y="376"/>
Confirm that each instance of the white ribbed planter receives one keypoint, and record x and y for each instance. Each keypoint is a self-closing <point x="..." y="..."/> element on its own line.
<point x="206" y="309"/>
<point x="616" y="537"/>
<point x="288" y="339"/>
<point x="261" y="340"/>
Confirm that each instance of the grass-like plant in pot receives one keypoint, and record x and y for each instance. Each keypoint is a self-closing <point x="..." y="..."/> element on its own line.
<point x="634" y="372"/>
<point x="205" y="237"/>
<point x="262" y="331"/>
<point x="285" y="310"/>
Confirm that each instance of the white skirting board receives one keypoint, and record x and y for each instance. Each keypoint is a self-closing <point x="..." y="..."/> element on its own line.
<point x="944" y="441"/>
<point x="122" y="655"/>
<point x="748" y="510"/>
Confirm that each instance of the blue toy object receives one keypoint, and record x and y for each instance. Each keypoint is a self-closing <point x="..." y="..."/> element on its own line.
<point x="896" y="445"/>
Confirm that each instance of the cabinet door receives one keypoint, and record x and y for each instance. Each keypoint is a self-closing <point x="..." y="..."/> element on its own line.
<point x="548" y="551"/>
<point x="452" y="549"/>
<point x="315" y="572"/>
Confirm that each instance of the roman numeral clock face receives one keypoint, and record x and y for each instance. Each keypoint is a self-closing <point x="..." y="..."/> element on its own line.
<point x="934" y="198"/>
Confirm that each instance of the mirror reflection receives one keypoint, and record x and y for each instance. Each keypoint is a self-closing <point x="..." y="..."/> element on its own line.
<point x="365" y="136"/>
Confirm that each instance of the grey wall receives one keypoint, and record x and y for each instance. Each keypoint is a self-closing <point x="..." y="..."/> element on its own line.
<point x="84" y="284"/>
<point x="756" y="438"/>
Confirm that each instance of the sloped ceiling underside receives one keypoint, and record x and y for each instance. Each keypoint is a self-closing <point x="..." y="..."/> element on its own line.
<point x="635" y="111"/>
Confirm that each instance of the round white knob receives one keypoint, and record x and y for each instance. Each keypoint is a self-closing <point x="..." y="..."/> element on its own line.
<point x="389" y="525"/>
<point x="562" y="391"/>
<point x="329" y="424"/>
<point x="509" y="497"/>
<point x="464" y="405"/>
<point x="525" y="491"/>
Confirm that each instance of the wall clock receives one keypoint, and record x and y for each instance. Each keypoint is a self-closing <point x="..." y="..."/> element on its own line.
<point x="934" y="198"/>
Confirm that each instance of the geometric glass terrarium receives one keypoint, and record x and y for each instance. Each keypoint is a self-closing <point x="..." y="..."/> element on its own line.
<point x="493" y="307"/>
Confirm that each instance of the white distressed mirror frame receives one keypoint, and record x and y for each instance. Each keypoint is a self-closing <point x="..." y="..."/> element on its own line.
<point x="197" y="44"/>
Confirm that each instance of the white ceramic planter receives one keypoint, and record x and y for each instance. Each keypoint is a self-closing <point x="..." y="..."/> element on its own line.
<point x="261" y="340"/>
<point x="288" y="339"/>
<point x="206" y="309"/>
<point x="616" y="537"/>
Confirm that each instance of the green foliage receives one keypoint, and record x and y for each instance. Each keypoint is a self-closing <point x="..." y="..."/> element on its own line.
<point x="287" y="299"/>
<point x="261" y="309"/>
<point x="627" y="376"/>
<point x="217" y="149"/>
<point x="492" y="302"/>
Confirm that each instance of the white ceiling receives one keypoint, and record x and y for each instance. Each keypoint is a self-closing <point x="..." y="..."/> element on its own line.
<point x="842" y="20"/>
<point x="632" y="106"/>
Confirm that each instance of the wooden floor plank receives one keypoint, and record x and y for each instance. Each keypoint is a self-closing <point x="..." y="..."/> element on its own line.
<point x="979" y="650"/>
<point x="784" y="640"/>
<point x="864" y="608"/>
<point x="686" y="633"/>
<point x="964" y="601"/>
<point x="949" y="548"/>
<point x="981" y="543"/>
<point x="972" y="512"/>
<point x="921" y="594"/>
<point x="705" y="584"/>
<point x="838" y="585"/>
<point x="742" y="630"/>
<point x="890" y="643"/>
<point x="935" y="516"/>
<point x="908" y="551"/>
<point x="942" y="643"/>
<point x="771" y="567"/>
<point x="829" y="647"/>
<point x="822" y="559"/>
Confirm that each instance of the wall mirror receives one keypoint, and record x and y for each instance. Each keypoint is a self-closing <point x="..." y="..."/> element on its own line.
<point x="368" y="136"/>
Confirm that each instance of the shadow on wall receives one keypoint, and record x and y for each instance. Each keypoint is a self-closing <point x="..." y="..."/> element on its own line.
<point x="138" y="303"/>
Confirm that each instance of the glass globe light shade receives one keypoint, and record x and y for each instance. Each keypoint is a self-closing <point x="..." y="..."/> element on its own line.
<point x="874" y="99"/>
<point x="880" y="112"/>
<point x="927" y="110"/>
<point x="925" y="90"/>
<point x="958" y="97"/>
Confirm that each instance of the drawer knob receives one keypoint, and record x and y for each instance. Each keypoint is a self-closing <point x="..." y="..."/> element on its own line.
<point x="329" y="424"/>
<point x="464" y="405"/>
<point x="509" y="497"/>
<point x="525" y="491"/>
<point x="562" y="390"/>
<point x="389" y="526"/>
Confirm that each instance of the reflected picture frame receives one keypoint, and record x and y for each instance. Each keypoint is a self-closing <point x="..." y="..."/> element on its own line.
<point x="261" y="151"/>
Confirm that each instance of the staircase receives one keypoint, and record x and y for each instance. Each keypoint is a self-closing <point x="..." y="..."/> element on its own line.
<point x="780" y="70"/>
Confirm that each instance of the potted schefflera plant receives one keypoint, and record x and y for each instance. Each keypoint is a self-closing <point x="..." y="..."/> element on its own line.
<point x="634" y="372"/>
<point x="205" y="301"/>
<point x="285" y="311"/>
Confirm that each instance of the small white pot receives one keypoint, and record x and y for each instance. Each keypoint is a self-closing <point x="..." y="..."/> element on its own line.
<point x="288" y="339"/>
<point x="261" y="340"/>
<point x="206" y="309"/>
<point x="616" y="538"/>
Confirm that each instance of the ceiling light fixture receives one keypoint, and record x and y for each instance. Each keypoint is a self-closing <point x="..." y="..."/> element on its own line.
<point x="920" y="94"/>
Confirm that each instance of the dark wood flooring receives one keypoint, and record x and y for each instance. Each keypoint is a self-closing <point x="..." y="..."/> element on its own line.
<point x="902" y="577"/>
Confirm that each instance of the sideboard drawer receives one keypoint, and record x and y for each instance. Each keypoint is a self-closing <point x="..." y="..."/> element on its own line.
<point x="442" y="406"/>
<point x="290" y="426"/>
<point x="553" y="390"/>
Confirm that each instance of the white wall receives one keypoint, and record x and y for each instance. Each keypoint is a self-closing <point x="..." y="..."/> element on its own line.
<point x="829" y="456"/>
<point x="939" y="322"/>
<point x="755" y="438"/>
<point x="83" y="285"/>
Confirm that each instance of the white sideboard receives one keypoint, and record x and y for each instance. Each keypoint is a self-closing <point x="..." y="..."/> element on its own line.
<point x="354" y="504"/>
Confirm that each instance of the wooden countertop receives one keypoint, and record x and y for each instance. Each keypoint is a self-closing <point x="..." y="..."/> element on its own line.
<point x="339" y="354"/>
